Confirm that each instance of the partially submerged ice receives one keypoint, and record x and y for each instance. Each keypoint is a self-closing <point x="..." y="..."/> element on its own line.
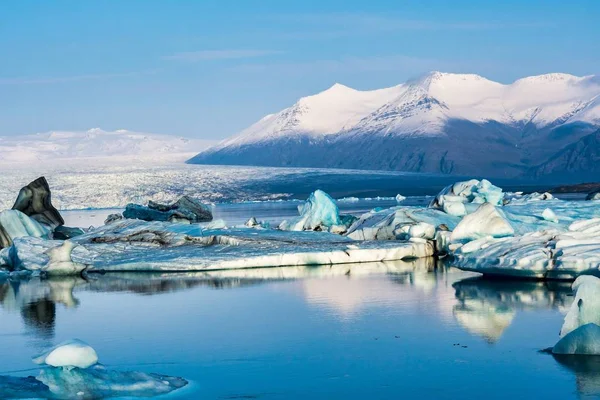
<point x="584" y="340"/>
<point x="319" y="212"/>
<point x="585" y="308"/>
<point x="72" y="371"/>
<point x="70" y="354"/>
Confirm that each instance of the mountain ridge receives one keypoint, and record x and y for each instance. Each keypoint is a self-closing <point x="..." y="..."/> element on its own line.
<point x="424" y="118"/>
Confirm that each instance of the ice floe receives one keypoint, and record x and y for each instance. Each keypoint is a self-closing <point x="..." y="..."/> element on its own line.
<point x="319" y="212"/>
<point x="468" y="192"/>
<point x="584" y="340"/>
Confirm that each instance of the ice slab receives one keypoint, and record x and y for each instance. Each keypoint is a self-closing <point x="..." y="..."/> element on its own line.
<point x="320" y="211"/>
<point x="134" y="245"/>
<point x="546" y="254"/>
<point x="486" y="221"/>
<point x="472" y="191"/>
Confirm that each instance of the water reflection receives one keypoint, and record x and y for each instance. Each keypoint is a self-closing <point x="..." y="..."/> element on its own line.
<point x="586" y="370"/>
<point x="36" y="300"/>
<point x="487" y="307"/>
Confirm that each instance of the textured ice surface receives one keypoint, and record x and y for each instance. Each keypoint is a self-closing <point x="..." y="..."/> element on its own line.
<point x="319" y="211"/>
<point x="396" y="222"/>
<point x="486" y="221"/>
<point x="539" y="254"/>
<point x="586" y="305"/>
<point x="160" y="246"/>
<point x="472" y="191"/>
<point x="584" y="340"/>
<point x="71" y="353"/>
<point x="14" y="224"/>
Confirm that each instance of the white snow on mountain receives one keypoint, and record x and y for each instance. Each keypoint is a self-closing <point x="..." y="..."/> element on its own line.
<point x="423" y="106"/>
<point x="97" y="144"/>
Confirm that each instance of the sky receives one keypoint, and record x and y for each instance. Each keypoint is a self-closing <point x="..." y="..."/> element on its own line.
<point x="207" y="69"/>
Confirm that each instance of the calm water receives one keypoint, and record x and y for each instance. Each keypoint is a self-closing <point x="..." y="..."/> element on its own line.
<point x="371" y="331"/>
<point x="366" y="331"/>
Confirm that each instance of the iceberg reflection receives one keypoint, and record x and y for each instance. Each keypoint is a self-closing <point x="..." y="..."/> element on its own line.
<point x="487" y="307"/>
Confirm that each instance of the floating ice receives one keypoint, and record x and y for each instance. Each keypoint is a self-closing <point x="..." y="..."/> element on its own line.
<point x="71" y="353"/>
<point x="60" y="261"/>
<point x="520" y="198"/>
<point x="549" y="254"/>
<point x="593" y="196"/>
<point x="585" y="308"/>
<point x="487" y="221"/>
<point x="584" y="340"/>
<point x="472" y="191"/>
<point x="400" y="198"/>
<point x="14" y="224"/>
<point x="318" y="212"/>
<point x="185" y="209"/>
<point x="134" y="245"/>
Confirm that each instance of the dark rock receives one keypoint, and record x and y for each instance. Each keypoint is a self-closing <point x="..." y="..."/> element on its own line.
<point x="185" y="208"/>
<point x="593" y="195"/>
<point x="65" y="232"/>
<point x="34" y="200"/>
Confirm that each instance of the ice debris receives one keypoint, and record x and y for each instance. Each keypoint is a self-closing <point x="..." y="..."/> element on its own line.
<point x="186" y="209"/>
<point x="486" y="221"/>
<point x="593" y="196"/>
<point x="35" y="200"/>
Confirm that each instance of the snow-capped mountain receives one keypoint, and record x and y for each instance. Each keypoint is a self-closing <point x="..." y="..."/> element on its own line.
<point x="120" y="145"/>
<point x="441" y="122"/>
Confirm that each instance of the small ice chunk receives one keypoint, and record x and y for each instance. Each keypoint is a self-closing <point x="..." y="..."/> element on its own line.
<point x="472" y="191"/>
<point x="252" y="222"/>
<point x="455" y="208"/>
<point x="71" y="353"/>
<point x="60" y="260"/>
<point x="486" y="221"/>
<point x="400" y="198"/>
<point x="549" y="215"/>
<point x="584" y="340"/>
<point x="594" y="196"/>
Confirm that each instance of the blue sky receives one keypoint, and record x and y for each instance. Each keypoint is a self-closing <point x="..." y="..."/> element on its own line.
<point x="207" y="69"/>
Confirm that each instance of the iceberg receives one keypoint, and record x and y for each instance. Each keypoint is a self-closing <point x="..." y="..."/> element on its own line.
<point x="70" y="354"/>
<point x="35" y="201"/>
<point x="584" y="340"/>
<point x="135" y="245"/>
<point x="468" y="192"/>
<point x="585" y="308"/>
<point x="593" y="196"/>
<point x="319" y="212"/>
<point x="15" y="224"/>
<point x="486" y="221"/>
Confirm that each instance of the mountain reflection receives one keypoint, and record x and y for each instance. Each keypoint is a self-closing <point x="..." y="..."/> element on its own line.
<point x="487" y="307"/>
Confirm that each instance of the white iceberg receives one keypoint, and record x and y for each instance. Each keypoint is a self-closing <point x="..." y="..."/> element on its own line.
<point x="549" y="215"/>
<point x="585" y="308"/>
<point x="319" y="212"/>
<point x="487" y="221"/>
<point x="400" y="198"/>
<point x="584" y="340"/>
<point x="472" y="191"/>
<point x="70" y="354"/>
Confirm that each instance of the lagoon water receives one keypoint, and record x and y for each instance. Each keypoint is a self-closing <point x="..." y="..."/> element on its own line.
<point x="370" y="331"/>
<point x="382" y="331"/>
<point x="398" y="330"/>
